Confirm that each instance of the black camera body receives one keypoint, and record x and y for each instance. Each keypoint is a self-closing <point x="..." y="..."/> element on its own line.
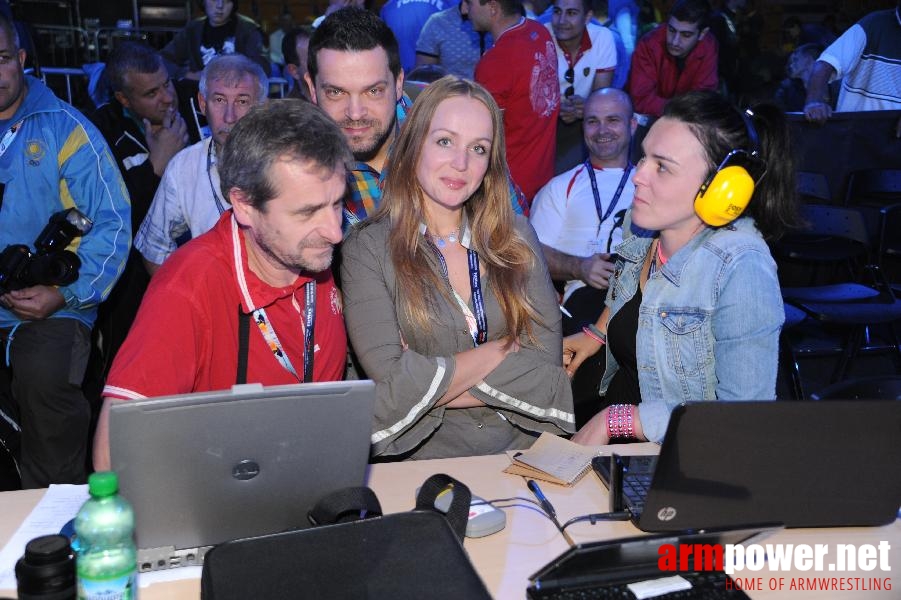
<point x="50" y="263"/>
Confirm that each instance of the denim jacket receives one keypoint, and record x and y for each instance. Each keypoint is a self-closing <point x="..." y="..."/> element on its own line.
<point x="709" y="322"/>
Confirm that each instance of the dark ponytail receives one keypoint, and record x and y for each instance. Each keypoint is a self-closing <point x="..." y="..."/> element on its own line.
<point x="721" y="128"/>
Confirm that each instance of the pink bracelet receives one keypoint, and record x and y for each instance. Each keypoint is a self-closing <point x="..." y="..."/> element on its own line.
<point x="587" y="331"/>
<point x="620" y="421"/>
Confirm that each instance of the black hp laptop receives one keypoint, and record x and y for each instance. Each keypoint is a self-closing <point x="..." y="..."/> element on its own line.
<point x="626" y="568"/>
<point x="804" y="464"/>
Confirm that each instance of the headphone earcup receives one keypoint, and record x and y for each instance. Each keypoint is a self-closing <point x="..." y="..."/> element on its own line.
<point x="725" y="197"/>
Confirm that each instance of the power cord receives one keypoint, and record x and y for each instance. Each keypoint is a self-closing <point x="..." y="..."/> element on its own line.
<point x="622" y="515"/>
<point x="532" y="504"/>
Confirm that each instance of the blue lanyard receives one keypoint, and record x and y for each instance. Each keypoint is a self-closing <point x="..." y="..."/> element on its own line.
<point x="475" y="284"/>
<point x="209" y="175"/>
<point x="309" y="316"/>
<point x="603" y="215"/>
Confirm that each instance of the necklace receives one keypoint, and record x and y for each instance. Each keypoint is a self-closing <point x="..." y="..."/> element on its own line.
<point x="443" y="240"/>
<point x="656" y="258"/>
<point x="660" y="258"/>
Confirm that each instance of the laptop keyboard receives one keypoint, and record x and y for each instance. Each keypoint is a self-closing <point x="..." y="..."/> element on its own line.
<point x="705" y="586"/>
<point x="635" y="490"/>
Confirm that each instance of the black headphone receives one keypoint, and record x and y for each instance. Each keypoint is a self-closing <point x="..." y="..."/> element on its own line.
<point x="728" y="190"/>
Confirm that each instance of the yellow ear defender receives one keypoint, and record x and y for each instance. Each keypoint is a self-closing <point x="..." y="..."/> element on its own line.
<point x="727" y="192"/>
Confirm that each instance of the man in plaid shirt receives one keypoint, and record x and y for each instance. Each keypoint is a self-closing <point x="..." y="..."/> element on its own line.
<point x="354" y="75"/>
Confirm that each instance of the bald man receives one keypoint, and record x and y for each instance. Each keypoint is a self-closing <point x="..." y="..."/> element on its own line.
<point x="579" y="223"/>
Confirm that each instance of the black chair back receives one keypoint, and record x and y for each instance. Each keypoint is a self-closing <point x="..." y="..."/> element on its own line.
<point x="865" y="388"/>
<point x="813" y="186"/>
<point x="874" y="187"/>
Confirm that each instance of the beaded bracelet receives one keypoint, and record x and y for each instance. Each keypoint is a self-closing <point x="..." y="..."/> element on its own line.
<point x="620" y="421"/>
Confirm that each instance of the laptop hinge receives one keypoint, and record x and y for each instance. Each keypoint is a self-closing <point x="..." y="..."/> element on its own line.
<point x="616" y="483"/>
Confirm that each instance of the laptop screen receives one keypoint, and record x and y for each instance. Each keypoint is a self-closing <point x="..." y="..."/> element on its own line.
<point x="804" y="464"/>
<point x="636" y="556"/>
<point x="204" y="468"/>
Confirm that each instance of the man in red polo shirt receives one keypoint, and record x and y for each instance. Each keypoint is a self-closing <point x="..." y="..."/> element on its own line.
<point x="264" y="268"/>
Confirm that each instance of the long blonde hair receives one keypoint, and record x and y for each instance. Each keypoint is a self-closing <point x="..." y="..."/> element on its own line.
<point x="505" y="254"/>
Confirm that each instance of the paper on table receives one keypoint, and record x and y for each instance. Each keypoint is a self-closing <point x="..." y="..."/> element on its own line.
<point x="59" y="504"/>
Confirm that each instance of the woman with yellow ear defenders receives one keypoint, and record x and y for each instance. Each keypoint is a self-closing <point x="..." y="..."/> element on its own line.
<point x="694" y="308"/>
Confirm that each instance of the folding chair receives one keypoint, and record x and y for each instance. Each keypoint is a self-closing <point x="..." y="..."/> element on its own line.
<point x="832" y="236"/>
<point x="813" y="187"/>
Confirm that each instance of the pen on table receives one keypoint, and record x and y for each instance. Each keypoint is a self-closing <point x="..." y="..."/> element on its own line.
<point x="545" y="503"/>
<point x="549" y="509"/>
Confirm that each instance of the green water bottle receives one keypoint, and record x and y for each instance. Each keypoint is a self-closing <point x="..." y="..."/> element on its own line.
<point x="106" y="562"/>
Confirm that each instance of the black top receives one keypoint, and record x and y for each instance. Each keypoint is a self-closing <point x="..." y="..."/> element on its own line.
<point x="215" y="37"/>
<point x="621" y="333"/>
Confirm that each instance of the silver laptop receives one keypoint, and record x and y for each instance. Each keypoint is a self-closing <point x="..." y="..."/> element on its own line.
<point x="204" y="468"/>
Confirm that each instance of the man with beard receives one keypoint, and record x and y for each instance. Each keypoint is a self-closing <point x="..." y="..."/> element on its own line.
<point x="676" y="57"/>
<point x="188" y="201"/>
<point x="354" y="75"/>
<point x="252" y="300"/>
<point x="578" y="217"/>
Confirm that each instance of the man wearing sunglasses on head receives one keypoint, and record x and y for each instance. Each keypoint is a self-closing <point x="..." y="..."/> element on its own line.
<point x="586" y="59"/>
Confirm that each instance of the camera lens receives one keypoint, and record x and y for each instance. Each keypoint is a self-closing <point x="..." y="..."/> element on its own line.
<point x="60" y="268"/>
<point x="47" y="570"/>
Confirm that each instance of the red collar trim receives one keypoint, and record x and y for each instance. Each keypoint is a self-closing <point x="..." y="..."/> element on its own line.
<point x="256" y="293"/>
<point x="584" y="46"/>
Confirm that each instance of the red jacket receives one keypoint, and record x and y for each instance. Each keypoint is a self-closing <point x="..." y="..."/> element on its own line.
<point x="655" y="77"/>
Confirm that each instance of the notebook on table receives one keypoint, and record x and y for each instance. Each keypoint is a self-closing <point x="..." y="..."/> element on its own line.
<point x="803" y="464"/>
<point x="200" y="469"/>
<point x="623" y="568"/>
<point x="554" y="459"/>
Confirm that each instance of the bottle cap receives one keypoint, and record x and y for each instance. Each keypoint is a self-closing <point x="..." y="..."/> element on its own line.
<point x="103" y="484"/>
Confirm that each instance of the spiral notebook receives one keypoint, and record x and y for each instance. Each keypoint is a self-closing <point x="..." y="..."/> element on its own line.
<point x="554" y="459"/>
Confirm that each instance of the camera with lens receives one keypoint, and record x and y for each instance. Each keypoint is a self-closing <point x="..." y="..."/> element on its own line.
<point x="50" y="263"/>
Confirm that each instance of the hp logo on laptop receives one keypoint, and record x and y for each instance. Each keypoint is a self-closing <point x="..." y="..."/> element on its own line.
<point x="246" y="469"/>
<point x="667" y="513"/>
